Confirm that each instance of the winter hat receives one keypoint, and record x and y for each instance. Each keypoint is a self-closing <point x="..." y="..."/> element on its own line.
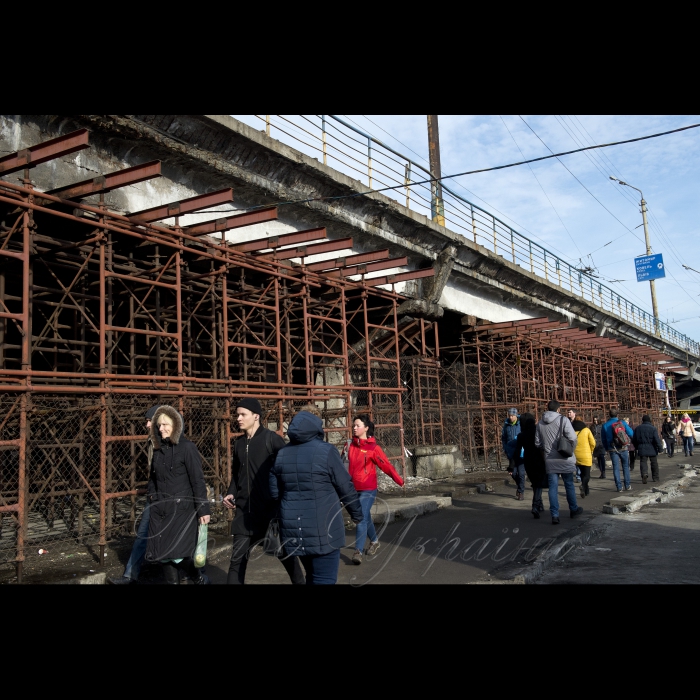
<point x="646" y="419"/>
<point x="253" y="405"/>
<point x="151" y="412"/>
<point x="512" y="411"/>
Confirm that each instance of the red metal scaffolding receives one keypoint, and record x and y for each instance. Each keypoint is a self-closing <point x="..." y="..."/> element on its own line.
<point x="103" y="315"/>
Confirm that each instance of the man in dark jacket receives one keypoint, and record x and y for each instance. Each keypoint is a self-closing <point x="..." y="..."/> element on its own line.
<point x="511" y="430"/>
<point x="249" y="492"/>
<point x="648" y="443"/>
<point x="310" y="480"/>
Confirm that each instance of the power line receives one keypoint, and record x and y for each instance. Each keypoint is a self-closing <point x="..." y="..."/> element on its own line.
<point x="579" y="181"/>
<point x="468" y="191"/>
<point x="541" y="187"/>
<point x="479" y="170"/>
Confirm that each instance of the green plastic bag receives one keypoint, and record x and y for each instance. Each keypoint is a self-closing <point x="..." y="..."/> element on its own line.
<point x="200" y="551"/>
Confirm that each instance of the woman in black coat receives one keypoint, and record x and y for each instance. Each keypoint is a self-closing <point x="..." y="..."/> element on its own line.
<point x="534" y="461"/>
<point x="177" y="494"/>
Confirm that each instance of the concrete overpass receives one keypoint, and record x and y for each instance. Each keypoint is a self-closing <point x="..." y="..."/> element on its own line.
<point x="201" y="153"/>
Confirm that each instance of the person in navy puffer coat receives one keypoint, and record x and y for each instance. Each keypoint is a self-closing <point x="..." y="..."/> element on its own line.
<point x="310" y="481"/>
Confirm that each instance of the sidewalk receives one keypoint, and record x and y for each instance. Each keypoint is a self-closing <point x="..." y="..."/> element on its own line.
<point x="426" y="537"/>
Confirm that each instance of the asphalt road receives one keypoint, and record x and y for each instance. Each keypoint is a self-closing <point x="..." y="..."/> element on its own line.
<point x="658" y="544"/>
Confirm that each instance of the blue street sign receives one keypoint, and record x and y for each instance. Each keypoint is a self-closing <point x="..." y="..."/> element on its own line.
<point x="649" y="267"/>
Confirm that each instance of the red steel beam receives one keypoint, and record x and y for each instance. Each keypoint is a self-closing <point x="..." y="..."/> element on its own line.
<point x="306" y="250"/>
<point x="185" y="206"/>
<point x="107" y="183"/>
<point x="350" y="260"/>
<point x="369" y="267"/>
<point x="312" y="234"/>
<point x="43" y="152"/>
<point x="247" y="219"/>
<point x="401" y="277"/>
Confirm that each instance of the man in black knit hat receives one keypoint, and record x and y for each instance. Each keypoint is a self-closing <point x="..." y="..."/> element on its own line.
<point x="254" y="454"/>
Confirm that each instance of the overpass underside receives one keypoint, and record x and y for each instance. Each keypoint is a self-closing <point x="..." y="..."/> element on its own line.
<point x="104" y="314"/>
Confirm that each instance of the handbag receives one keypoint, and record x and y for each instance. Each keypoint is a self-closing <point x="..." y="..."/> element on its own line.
<point x="200" y="551"/>
<point x="273" y="542"/>
<point x="565" y="447"/>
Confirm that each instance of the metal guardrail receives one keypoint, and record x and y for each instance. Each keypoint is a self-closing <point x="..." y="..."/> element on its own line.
<point x="349" y="149"/>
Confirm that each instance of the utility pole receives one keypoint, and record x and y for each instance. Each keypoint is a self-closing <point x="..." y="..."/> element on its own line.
<point x="437" y="208"/>
<point x="652" y="284"/>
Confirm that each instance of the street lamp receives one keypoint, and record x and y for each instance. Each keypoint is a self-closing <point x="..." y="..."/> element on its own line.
<point x="646" y="238"/>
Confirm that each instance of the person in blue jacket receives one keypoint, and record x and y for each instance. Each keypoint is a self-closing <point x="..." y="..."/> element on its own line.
<point x="618" y="453"/>
<point x="310" y="482"/>
<point x="511" y="430"/>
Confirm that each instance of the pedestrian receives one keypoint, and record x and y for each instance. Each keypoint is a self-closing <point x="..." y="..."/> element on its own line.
<point x="668" y="432"/>
<point x="533" y="461"/>
<point x="687" y="432"/>
<point x="585" y="447"/>
<point x="571" y="415"/>
<point x="249" y="495"/>
<point x="517" y="471"/>
<point x="177" y="496"/>
<point x="309" y="480"/>
<point x="138" y="550"/>
<point x="599" y="452"/>
<point x="647" y="441"/>
<point x="630" y="447"/>
<point x="511" y="429"/>
<point x="550" y="429"/>
<point x="364" y="456"/>
<point x="617" y="436"/>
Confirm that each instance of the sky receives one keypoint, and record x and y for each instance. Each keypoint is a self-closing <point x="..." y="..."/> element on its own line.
<point x="573" y="214"/>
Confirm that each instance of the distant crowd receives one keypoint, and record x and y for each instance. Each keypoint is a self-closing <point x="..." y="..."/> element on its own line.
<point x="563" y="446"/>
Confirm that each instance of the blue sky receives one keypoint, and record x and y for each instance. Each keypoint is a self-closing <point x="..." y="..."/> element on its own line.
<point x="546" y="203"/>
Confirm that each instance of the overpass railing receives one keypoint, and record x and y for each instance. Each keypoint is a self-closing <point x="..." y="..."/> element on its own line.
<point x="346" y="148"/>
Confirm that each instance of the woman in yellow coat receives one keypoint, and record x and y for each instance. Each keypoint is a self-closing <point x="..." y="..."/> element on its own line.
<point x="584" y="453"/>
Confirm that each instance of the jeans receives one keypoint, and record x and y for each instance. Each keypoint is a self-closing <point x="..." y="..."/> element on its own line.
<point x="585" y="478"/>
<point x="322" y="569"/>
<point x="568" y="480"/>
<point x="138" y="551"/>
<point x="670" y="446"/>
<point x="601" y="463"/>
<point x="654" y="460"/>
<point x="687" y="445"/>
<point x="239" y="560"/>
<point x="366" y="527"/>
<point x="519" y="476"/>
<point x="617" y="457"/>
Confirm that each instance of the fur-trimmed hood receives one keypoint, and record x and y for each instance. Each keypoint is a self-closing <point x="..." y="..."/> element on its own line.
<point x="178" y="425"/>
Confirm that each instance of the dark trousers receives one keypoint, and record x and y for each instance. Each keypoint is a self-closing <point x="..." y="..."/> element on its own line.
<point x="239" y="560"/>
<point x="585" y="477"/>
<point x="654" y="466"/>
<point x="670" y="445"/>
<point x="321" y="569"/>
<point x="633" y="457"/>
<point x="601" y="463"/>
<point x="537" y="499"/>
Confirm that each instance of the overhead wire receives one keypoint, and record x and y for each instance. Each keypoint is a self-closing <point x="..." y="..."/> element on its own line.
<point x="467" y="190"/>
<point x="541" y="187"/>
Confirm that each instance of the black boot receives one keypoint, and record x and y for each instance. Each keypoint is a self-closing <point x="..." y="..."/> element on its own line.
<point x="171" y="573"/>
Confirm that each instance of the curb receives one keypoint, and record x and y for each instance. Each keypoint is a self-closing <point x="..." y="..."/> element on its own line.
<point x="657" y="494"/>
<point x="594" y="529"/>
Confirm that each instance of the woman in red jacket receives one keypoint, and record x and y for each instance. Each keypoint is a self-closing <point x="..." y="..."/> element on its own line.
<point x="364" y="456"/>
